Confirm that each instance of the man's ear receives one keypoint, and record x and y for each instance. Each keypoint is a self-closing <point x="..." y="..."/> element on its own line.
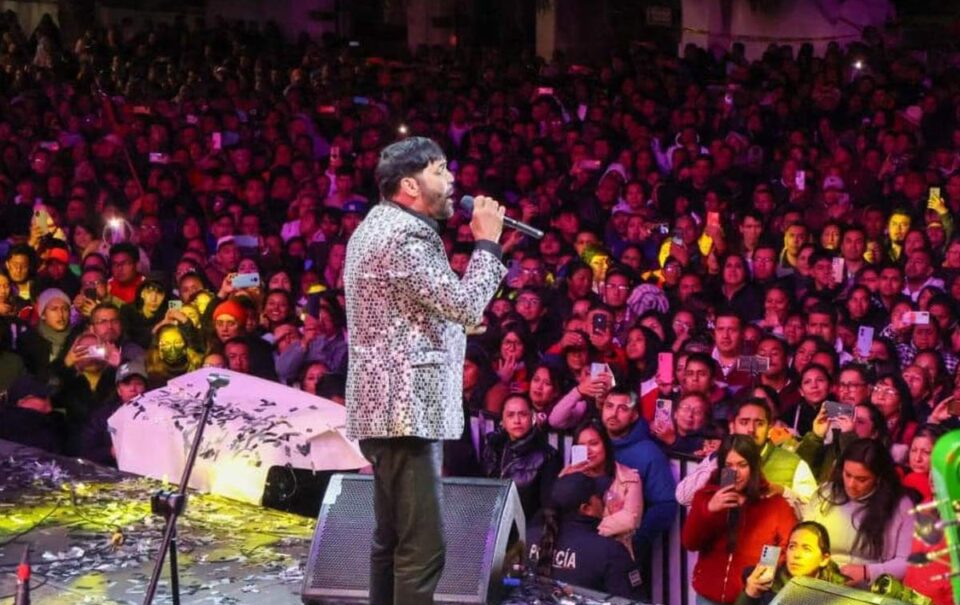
<point x="410" y="186"/>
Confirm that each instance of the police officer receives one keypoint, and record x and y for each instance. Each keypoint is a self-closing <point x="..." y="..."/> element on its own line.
<point x="567" y="547"/>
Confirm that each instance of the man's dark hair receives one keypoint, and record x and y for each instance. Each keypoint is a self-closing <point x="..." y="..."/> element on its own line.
<point x="404" y="159"/>
<point x="125" y="248"/>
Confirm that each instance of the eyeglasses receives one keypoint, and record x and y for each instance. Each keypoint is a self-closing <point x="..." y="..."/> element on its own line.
<point x="528" y="301"/>
<point x="104" y="322"/>
<point x="618" y="288"/>
<point x="852" y="385"/>
<point x="882" y="388"/>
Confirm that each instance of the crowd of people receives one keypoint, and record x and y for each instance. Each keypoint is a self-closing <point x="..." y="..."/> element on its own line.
<point x="751" y="262"/>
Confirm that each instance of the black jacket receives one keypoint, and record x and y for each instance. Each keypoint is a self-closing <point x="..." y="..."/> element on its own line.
<point x="531" y="462"/>
<point x="585" y="558"/>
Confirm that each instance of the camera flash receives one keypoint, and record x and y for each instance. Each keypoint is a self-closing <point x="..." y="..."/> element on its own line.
<point x="858" y="64"/>
<point x="402" y="129"/>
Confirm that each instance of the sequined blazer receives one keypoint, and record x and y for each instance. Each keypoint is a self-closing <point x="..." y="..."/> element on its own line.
<point x="406" y="317"/>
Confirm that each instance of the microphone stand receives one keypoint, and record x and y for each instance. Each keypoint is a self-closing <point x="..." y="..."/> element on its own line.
<point x="172" y="504"/>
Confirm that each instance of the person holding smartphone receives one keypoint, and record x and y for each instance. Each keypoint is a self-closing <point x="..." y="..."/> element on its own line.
<point x="623" y="500"/>
<point x="807" y="555"/>
<point x="730" y="521"/>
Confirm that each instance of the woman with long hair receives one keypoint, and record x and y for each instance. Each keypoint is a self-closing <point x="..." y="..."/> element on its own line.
<point x="623" y="500"/>
<point x="865" y="510"/>
<point x="891" y="396"/>
<point x="730" y="521"/>
<point x="807" y="556"/>
<point x="145" y="313"/>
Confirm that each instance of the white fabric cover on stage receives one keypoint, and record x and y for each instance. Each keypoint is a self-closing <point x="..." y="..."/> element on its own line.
<point x="254" y="424"/>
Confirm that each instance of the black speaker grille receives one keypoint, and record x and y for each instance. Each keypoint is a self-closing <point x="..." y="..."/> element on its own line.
<point x="470" y="518"/>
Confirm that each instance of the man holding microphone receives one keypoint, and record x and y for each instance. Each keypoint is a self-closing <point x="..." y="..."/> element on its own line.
<point x="407" y="313"/>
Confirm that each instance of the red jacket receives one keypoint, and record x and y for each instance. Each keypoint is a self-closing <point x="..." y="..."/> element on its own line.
<point x="718" y="574"/>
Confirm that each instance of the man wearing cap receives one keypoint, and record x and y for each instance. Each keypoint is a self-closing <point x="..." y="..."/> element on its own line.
<point x="567" y="547"/>
<point x="353" y="213"/>
<point x="45" y="347"/>
<point x="407" y="312"/>
<point x="55" y="271"/>
<point x="27" y="416"/>
<point x="94" y="441"/>
<point x="230" y="322"/>
<point x="224" y="262"/>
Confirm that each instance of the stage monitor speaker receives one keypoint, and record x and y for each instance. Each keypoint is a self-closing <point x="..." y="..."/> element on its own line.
<point x="810" y="591"/>
<point x="482" y="518"/>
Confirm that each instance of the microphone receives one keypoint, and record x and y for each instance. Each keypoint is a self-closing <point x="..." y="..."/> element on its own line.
<point x="466" y="202"/>
<point x="23" y="579"/>
<point x="217" y="381"/>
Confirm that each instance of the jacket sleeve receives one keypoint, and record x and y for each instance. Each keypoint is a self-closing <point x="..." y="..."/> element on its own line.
<point x="695" y="480"/>
<point x="702" y="526"/>
<point x="627" y="518"/>
<point x="659" y="489"/>
<point x="289" y="362"/>
<point x="568" y="411"/>
<point x="899" y="534"/>
<point x="428" y="277"/>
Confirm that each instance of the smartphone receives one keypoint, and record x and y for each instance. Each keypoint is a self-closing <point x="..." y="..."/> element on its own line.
<point x="770" y="556"/>
<point x="663" y="413"/>
<point x="216" y="141"/>
<point x="327" y="110"/>
<point x="50" y="145"/>
<point x="665" y="367"/>
<point x="728" y="476"/>
<point x="916" y="318"/>
<point x="661" y="228"/>
<point x="91" y="293"/>
<point x="246" y="280"/>
<point x="934" y="195"/>
<point x="596" y="369"/>
<point x="98" y="351"/>
<point x="335" y="153"/>
<point x="801" y="180"/>
<point x="578" y="454"/>
<point x="175" y="305"/>
<point x="838" y="265"/>
<point x="589" y="165"/>
<point x="835" y="409"/>
<point x="159" y="158"/>
<point x="600" y="323"/>
<point x="864" y="340"/>
<point x="361" y="101"/>
<point x="544" y="90"/>
<point x="313" y="305"/>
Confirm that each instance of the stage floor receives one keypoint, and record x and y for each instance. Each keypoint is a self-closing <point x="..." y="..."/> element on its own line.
<point x="93" y="538"/>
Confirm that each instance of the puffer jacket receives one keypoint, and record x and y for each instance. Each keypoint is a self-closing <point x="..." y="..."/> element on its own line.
<point x="531" y="462"/>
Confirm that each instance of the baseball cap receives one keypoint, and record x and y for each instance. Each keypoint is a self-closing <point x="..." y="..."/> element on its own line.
<point x="130" y="369"/>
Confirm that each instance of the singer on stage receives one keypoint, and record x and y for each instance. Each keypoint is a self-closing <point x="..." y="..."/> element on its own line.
<point x="406" y="316"/>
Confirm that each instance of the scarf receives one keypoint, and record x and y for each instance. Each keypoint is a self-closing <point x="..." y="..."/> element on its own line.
<point x="55" y="338"/>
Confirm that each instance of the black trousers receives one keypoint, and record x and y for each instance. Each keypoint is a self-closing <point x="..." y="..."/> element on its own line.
<point x="407" y="555"/>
